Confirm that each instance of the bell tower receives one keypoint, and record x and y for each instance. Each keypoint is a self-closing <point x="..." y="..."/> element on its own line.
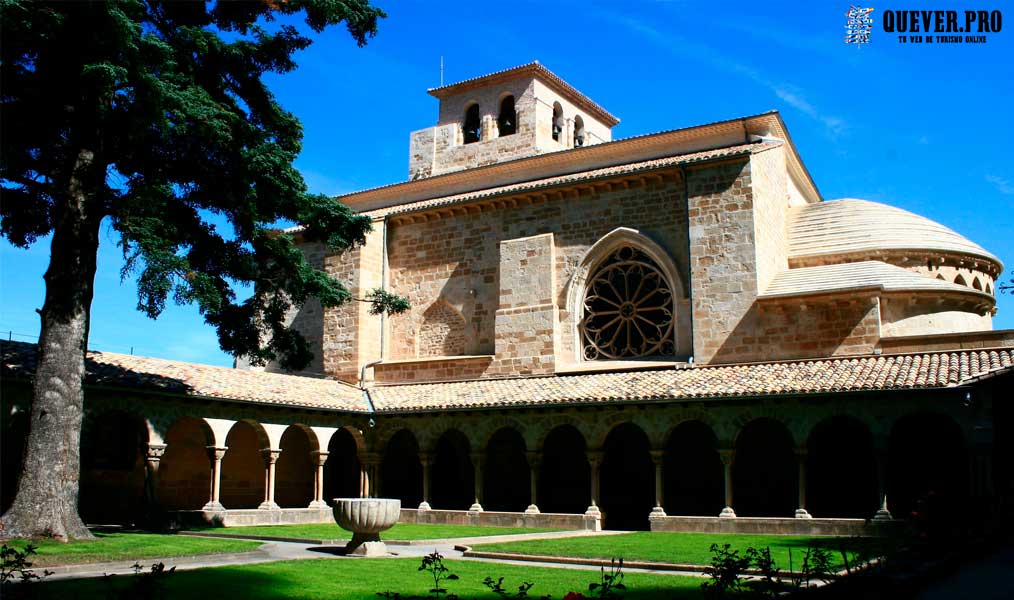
<point x="504" y="116"/>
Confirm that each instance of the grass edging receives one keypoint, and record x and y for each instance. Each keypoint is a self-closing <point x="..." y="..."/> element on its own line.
<point x="597" y="562"/>
<point x="169" y="560"/>
<point x="268" y="538"/>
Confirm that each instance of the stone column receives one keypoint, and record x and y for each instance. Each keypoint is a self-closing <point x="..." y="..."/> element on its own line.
<point x="368" y="481"/>
<point x="727" y="456"/>
<point x="318" y="458"/>
<point x="427" y="462"/>
<point x="883" y="513"/>
<point x="534" y="462"/>
<point x="153" y="456"/>
<point x="216" y="454"/>
<point x="658" y="457"/>
<point x="477" y="460"/>
<point x="270" y="458"/>
<point x="594" y="462"/>
<point x="801" y="460"/>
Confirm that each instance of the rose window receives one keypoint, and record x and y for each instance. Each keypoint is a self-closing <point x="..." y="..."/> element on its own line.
<point x="628" y="309"/>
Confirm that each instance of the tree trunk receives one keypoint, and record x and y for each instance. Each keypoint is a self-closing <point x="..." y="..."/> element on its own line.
<point x="47" y="493"/>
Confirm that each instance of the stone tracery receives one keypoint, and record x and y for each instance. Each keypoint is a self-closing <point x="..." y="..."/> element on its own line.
<point x="628" y="309"/>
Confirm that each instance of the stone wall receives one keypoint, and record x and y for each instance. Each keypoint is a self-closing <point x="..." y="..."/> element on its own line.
<point x="468" y="262"/>
<point x="803" y="328"/>
<point x="770" y="201"/>
<point x="722" y="256"/>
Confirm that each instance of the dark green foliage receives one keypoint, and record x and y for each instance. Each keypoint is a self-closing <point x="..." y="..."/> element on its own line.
<point x="610" y="582"/>
<point x="434" y="565"/>
<point x="608" y="587"/>
<point x="769" y="586"/>
<point x="15" y="568"/>
<point x="496" y="586"/>
<point x="726" y="570"/>
<point x="143" y="585"/>
<point x="165" y="101"/>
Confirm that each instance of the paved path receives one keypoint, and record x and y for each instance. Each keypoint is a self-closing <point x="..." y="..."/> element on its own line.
<point x="278" y="551"/>
<point x="986" y="579"/>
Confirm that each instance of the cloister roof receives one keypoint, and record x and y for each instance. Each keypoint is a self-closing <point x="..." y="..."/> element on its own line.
<point x="175" y="377"/>
<point x="821" y="376"/>
<point x="869" y="373"/>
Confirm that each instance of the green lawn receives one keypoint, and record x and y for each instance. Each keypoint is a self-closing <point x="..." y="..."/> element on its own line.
<point x="113" y="546"/>
<point x="401" y="531"/>
<point x="680" y="548"/>
<point x="361" y="579"/>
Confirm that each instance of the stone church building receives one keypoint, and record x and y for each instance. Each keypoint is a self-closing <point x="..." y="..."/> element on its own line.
<point x="673" y="330"/>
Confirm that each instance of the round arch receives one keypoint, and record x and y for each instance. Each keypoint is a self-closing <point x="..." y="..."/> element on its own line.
<point x="928" y="469"/>
<point x="627" y="478"/>
<point x="841" y="469"/>
<point x="295" y="468"/>
<point x="453" y="478"/>
<point x="565" y="477"/>
<point x="401" y="471"/>
<point x="243" y="466"/>
<point x="765" y="470"/>
<point x="113" y="444"/>
<point x="184" y="473"/>
<point x="693" y="473"/>
<point x="343" y="469"/>
<point x="507" y="480"/>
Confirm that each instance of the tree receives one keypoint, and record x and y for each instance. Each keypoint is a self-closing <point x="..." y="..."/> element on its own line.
<point x="152" y="117"/>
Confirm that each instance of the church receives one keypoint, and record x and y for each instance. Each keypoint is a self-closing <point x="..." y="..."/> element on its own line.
<point x="673" y="331"/>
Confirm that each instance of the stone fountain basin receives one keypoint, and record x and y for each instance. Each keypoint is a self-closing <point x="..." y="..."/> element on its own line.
<point x="366" y="518"/>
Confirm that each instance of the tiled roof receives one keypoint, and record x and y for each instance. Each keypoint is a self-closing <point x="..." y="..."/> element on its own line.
<point x="858" y="275"/>
<point x="548" y="182"/>
<point x="529" y="69"/>
<point x="190" y="379"/>
<point x="871" y="373"/>
<point x="868" y="373"/>
<point x="849" y="226"/>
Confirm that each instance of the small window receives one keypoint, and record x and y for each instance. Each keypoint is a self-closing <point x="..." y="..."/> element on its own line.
<point x="507" y="122"/>
<point x="977" y="284"/>
<point x="578" y="131"/>
<point x="473" y="124"/>
<point x="960" y="281"/>
<point x="557" y="121"/>
<point x="989" y="288"/>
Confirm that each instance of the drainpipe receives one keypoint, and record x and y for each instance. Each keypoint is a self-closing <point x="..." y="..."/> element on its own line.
<point x="690" y="275"/>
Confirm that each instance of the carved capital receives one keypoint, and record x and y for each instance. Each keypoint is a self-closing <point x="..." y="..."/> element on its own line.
<point x="270" y="455"/>
<point x="154" y="452"/>
<point x="727" y="456"/>
<point x="534" y="459"/>
<point x="657" y="457"/>
<point x="594" y="457"/>
<point x="216" y="453"/>
<point x="426" y="459"/>
<point x="319" y="457"/>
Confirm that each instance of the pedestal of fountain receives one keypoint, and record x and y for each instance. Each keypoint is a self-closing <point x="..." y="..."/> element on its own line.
<point x="366" y="518"/>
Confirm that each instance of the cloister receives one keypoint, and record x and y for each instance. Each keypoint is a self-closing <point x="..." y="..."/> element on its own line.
<point x="637" y="464"/>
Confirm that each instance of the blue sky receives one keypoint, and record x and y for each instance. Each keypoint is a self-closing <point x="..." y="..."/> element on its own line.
<point x="921" y="127"/>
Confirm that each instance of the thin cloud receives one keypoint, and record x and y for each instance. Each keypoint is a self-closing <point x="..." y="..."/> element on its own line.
<point x="682" y="47"/>
<point x="1004" y="186"/>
